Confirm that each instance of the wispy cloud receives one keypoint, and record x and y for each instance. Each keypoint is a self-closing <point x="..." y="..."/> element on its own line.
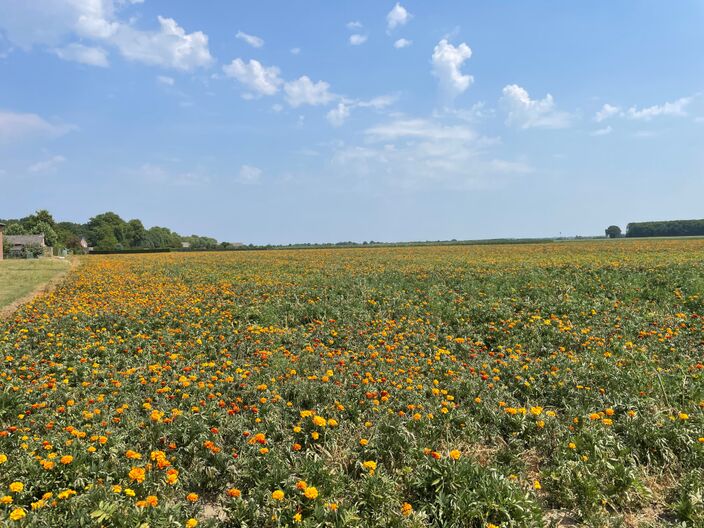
<point x="252" y="40"/>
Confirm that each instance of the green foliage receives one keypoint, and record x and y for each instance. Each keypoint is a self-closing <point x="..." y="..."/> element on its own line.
<point x="613" y="231"/>
<point x="668" y="228"/>
<point x="16" y="228"/>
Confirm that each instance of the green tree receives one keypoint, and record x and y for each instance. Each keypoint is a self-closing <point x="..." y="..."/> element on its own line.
<point x="16" y="228"/>
<point x="43" y="228"/>
<point x="107" y="231"/>
<point x="136" y="234"/>
<point x="613" y="231"/>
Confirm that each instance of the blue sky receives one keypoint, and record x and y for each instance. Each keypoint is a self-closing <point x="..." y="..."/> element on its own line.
<point x="312" y="121"/>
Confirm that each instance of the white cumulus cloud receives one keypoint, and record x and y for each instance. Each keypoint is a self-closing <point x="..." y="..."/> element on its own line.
<point x="524" y="112"/>
<point x="402" y="43"/>
<point x="260" y="79"/>
<point x="252" y="40"/>
<point x="338" y="115"/>
<point x="303" y="91"/>
<point x="398" y="16"/>
<point x="357" y="39"/>
<point x="447" y="63"/>
<point x="170" y="47"/>
<point x="50" y="22"/>
<point x="606" y="112"/>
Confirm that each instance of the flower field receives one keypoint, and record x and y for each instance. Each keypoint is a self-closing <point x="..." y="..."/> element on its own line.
<point x="454" y="386"/>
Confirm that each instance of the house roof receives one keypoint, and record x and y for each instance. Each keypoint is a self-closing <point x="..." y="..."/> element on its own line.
<point x="25" y="240"/>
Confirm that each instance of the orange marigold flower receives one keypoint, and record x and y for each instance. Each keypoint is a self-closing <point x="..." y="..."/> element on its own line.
<point x="192" y="497"/>
<point x="137" y="474"/>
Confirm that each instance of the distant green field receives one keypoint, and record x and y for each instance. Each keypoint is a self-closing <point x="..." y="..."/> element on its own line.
<point x="19" y="278"/>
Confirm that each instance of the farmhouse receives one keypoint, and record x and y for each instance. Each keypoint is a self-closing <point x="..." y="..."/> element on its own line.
<point x="18" y="243"/>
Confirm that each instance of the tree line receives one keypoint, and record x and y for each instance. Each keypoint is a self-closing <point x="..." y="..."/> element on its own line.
<point x="106" y="231"/>
<point x="666" y="228"/>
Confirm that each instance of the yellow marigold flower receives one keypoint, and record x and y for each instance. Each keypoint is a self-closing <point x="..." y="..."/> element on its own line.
<point x="18" y="514"/>
<point x="572" y="445"/>
<point x="455" y="454"/>
<point x="540" y="423"/>
<point x="536" y="485"/>
<point x="311" y="492"/>
<point x="297" y="518"/>
<point x="129" y="492"/>
<point x="66" y="494"/>
<point x="684" y="416"/>
<point x="319" y="421"/>
<point x="536" y="411"/>
<point x="278" y="495"/>
<point x="370" y="466"/>
<point x="16" y="487"/>
<point x="406" y="509"/>
<point x="332" y="506"/>
<point x="117" y="488"/>
<point x="6" y="499"/>
<point x="332" y="422"/>
<point x="66" y="459"/>
<point x="363" y="442"/>
<point x="315" y="435"/>
<point x="3" y="458"/>
<point x="607" y="421"/>
<point x="192" y="497"/>
<point x="191" y="523"/>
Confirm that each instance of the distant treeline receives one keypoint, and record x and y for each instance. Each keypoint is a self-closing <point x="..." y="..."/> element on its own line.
<point x="105" y="232"/>
<point x="668" y="228"/>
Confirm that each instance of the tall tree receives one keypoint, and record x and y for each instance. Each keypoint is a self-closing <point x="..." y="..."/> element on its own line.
<point x="613" y="231"/>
